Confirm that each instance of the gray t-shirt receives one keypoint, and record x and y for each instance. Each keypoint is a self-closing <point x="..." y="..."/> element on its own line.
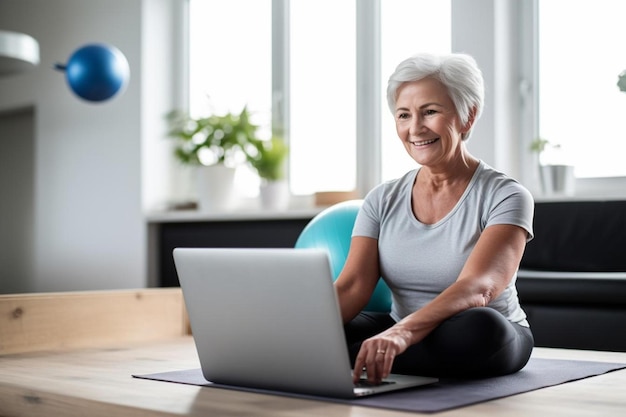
<point x="418" y="261"/>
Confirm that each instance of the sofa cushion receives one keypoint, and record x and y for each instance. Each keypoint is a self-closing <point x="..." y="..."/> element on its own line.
<point x="581" y="236"/>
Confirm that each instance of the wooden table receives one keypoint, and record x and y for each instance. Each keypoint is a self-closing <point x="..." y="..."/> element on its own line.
<point x="64" y="376"/>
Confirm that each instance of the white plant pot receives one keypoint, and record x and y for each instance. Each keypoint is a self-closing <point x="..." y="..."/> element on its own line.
<point x="274" y="195"/>
<point x="216" y="187"/>
<point x="558" y="180"/>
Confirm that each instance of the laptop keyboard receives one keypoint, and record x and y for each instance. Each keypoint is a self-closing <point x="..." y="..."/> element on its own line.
<point x="364" y="383"/>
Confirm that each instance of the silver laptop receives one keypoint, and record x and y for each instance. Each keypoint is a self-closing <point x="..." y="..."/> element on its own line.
<point x="269" y="319"/>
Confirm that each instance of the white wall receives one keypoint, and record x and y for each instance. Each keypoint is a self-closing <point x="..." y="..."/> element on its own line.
<point x="89" y="230"/>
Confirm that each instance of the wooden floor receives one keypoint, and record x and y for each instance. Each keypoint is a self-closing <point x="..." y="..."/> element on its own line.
<point x="98" y="382"/>
<point x="73" y="354"/>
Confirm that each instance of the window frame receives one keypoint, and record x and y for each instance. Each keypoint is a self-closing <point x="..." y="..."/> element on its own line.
<point x="368" y="77"/>
<point x="586" y="188"/>
<point x="485" y="29"/>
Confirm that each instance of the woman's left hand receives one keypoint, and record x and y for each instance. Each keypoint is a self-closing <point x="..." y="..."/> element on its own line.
<point x="378" y="353"/>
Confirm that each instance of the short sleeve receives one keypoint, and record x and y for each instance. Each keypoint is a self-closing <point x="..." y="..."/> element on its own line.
<point x="367" y="223"/>
<point x="513" y="204"/>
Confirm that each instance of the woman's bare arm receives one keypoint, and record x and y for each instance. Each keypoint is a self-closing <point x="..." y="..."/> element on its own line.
<point x="359" y="276"/>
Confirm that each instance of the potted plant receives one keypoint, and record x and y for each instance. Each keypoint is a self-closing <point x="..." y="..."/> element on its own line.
<point x="214" y="145"/>
<point x="556" y="175"/>
<point x="267" y="157"/>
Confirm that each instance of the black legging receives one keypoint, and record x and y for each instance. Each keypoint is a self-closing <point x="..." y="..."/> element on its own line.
<point x="476" y="343"/>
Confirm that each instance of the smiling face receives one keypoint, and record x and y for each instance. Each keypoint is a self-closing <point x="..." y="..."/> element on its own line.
<point x="427" y="123"/>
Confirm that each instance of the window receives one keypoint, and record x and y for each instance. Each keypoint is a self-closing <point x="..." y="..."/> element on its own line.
<point x="322" y="59"/>
<point x="568" y="92"/>
<point x="407" y="27"/>
<point x="580" y="106"/>
<point x="230" y="68"/>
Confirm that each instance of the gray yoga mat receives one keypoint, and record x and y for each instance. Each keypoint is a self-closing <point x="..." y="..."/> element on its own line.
<point x="447" y="393"/>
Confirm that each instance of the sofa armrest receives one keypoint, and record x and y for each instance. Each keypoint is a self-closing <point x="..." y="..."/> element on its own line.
<point x="574" y="288"/>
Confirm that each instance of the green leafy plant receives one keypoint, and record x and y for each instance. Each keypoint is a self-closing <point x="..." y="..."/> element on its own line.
<point x="268" y="158"/>
<point x="229" y="139"/>
<point x="538" y="145"/>
<point x="212" y="140"/>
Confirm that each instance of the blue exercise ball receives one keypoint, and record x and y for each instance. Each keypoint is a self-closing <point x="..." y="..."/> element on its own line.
<point x="331" y="230"/>
<point x="97" y="72"/>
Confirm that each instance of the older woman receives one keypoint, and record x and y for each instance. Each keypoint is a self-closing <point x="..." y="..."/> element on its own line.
<point x="446" y="237"/>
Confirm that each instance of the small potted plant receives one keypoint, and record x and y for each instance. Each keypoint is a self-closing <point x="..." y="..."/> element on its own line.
<point x="556" y="175"/>
<point x="214" y="145"/>
<point x="267" y="157"/>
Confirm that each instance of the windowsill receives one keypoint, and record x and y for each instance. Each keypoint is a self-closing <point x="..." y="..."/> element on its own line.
<point x="587" y="189"/>
<point x="300" y="207"/>
<point x="168" y="216"/>
<point x="591" y="189"/>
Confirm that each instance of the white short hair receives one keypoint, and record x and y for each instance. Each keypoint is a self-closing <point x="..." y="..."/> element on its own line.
<point x="459" y="73"/>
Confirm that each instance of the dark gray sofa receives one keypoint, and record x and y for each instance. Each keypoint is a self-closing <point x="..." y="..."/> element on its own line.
<point x="572" y="280"/>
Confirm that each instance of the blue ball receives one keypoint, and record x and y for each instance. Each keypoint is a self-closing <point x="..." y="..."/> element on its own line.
<point x="331" y="230"/>
<point x="97" y="72"/>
